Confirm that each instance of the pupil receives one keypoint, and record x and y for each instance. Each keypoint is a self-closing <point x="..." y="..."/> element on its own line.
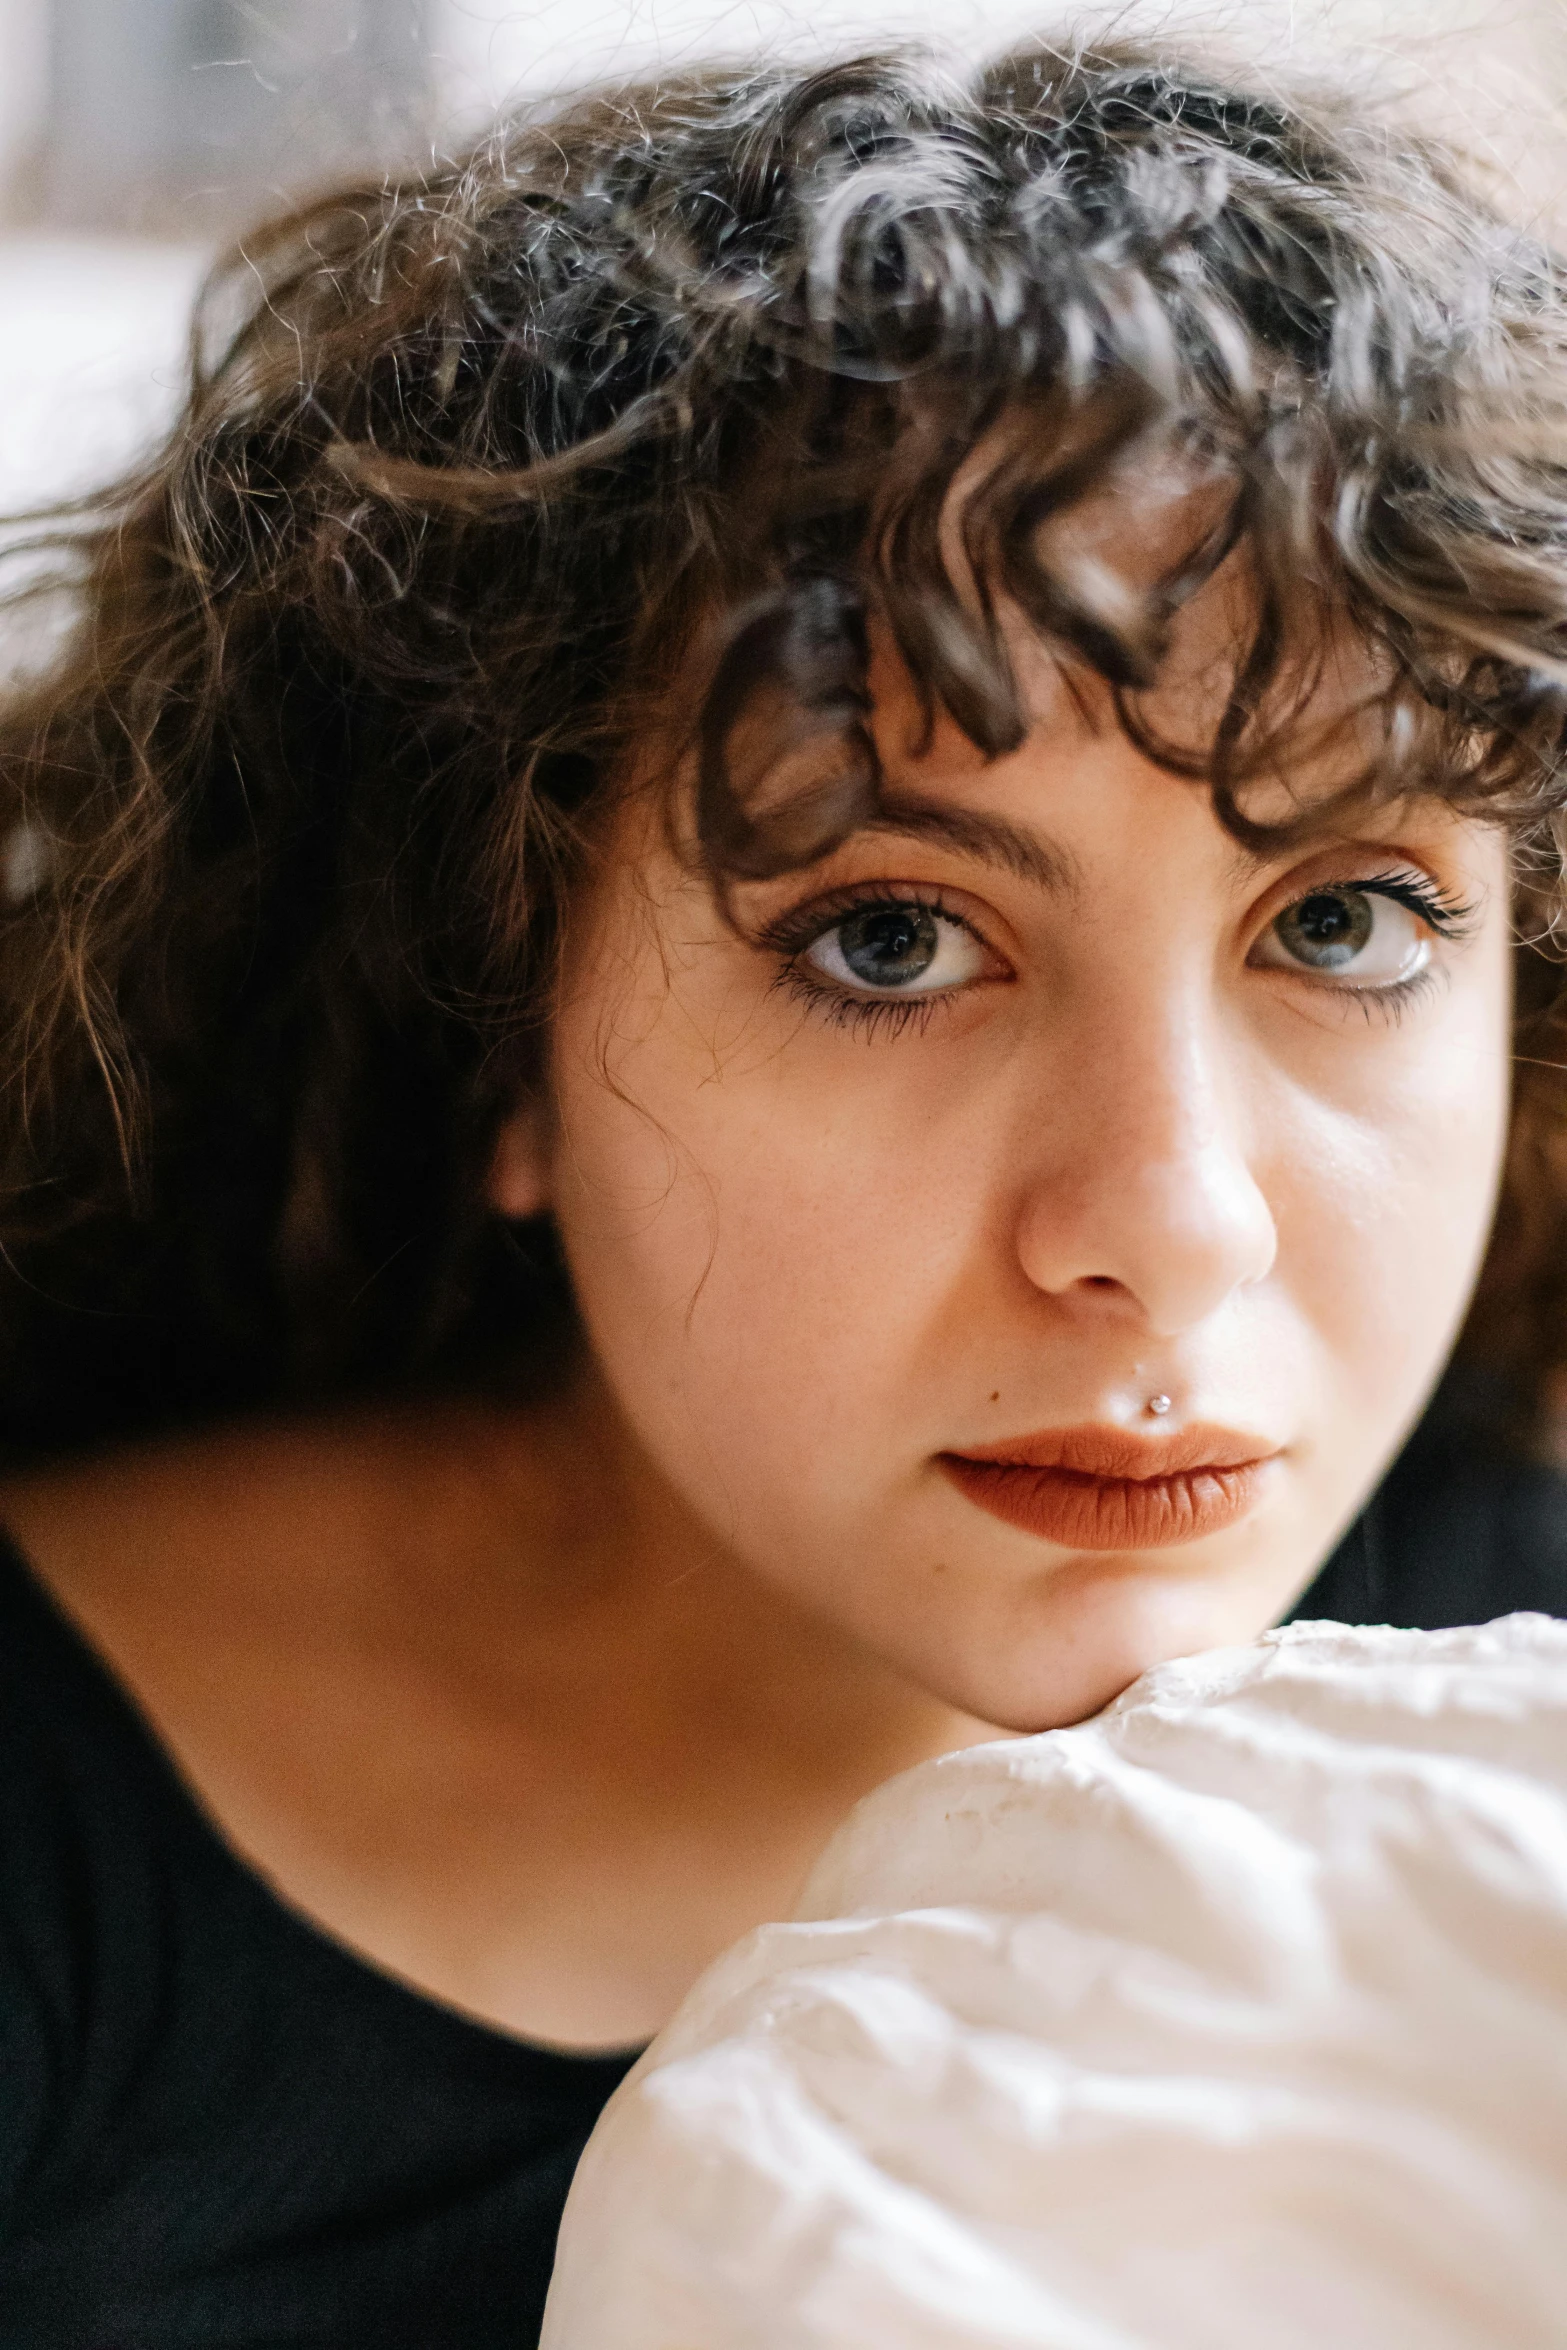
<point x="889" y="945"/>
<point x="1327" y="929"/>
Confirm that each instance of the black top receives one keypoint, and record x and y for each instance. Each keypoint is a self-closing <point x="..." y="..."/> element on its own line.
<point x="218" y="2128"/>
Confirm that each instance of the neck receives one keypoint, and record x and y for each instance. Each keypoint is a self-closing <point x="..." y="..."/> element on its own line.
<point x="475" y="1691"/>
<point x="548" y="1528"/>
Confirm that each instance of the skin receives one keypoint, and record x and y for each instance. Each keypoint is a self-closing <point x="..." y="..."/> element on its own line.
<point x="540" y="1709"/>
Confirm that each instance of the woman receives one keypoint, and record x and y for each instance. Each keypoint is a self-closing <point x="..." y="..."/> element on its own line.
<point x="761" y="981"/>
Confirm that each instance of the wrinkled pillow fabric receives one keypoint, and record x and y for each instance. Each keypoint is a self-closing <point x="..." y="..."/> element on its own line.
<point x="1233" y="2019"/>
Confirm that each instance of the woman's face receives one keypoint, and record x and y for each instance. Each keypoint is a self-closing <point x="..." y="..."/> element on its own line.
<point x="1027" y="1242"/>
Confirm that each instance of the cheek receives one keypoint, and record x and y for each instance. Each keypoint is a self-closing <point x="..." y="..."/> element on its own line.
<point x="762" y="1266"/>
<point x="1385" y="1203"/>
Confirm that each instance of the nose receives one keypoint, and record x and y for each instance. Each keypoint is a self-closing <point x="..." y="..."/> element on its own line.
<point x="1142" y="1193"/>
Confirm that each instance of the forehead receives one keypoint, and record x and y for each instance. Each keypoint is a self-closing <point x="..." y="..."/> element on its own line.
<point x="1159" y="553"/>
<point x="1143" y="618"/>
<point x="1323" y="698"/>
<point x="1074" y="805"/>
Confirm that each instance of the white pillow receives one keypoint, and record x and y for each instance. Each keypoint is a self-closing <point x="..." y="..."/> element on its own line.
<point x="1236" y="2017"/>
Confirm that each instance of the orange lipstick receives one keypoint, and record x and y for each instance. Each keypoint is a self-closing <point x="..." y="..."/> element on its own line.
<point x="1105" y="1488"/>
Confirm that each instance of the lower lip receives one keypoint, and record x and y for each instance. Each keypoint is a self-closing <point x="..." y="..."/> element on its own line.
<point x="1083" y="1512"/>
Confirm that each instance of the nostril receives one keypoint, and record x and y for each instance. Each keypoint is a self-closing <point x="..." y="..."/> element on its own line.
<point x="1114" y="1291"/>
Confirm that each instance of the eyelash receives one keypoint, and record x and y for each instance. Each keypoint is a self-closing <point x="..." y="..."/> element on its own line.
<point x="1448" y="917"/>
<point x="869" y="1016"/>
<point x="872" y="1016"/>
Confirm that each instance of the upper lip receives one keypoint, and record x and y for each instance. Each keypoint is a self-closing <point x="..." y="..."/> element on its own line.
<point x="1098" y="1449"/>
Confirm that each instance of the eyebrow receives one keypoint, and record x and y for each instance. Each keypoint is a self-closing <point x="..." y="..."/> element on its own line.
<point x="1031" y="857"/>
<point x="989" y="839"/>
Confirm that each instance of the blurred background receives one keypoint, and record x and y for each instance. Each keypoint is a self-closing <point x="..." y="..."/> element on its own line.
<point x="137" y="135"/>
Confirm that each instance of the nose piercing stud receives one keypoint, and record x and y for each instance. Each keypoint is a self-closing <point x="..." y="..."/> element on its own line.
<point x="1158" y="1405"/>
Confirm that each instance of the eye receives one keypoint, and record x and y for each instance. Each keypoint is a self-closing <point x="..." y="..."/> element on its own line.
<point x="903" y="949"/>
<point x="1353" y="935"/>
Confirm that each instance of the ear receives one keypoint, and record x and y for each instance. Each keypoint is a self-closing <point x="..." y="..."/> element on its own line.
<point x="518" y="1184"/>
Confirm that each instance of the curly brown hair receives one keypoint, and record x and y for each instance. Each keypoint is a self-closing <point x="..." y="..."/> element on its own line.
<point x="467" y="463"/>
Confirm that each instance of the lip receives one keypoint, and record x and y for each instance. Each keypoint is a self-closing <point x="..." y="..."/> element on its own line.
<point x="1105" y="1488"/>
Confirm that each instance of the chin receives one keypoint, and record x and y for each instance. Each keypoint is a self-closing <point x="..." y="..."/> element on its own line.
<point x="1087" y="1644"/>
